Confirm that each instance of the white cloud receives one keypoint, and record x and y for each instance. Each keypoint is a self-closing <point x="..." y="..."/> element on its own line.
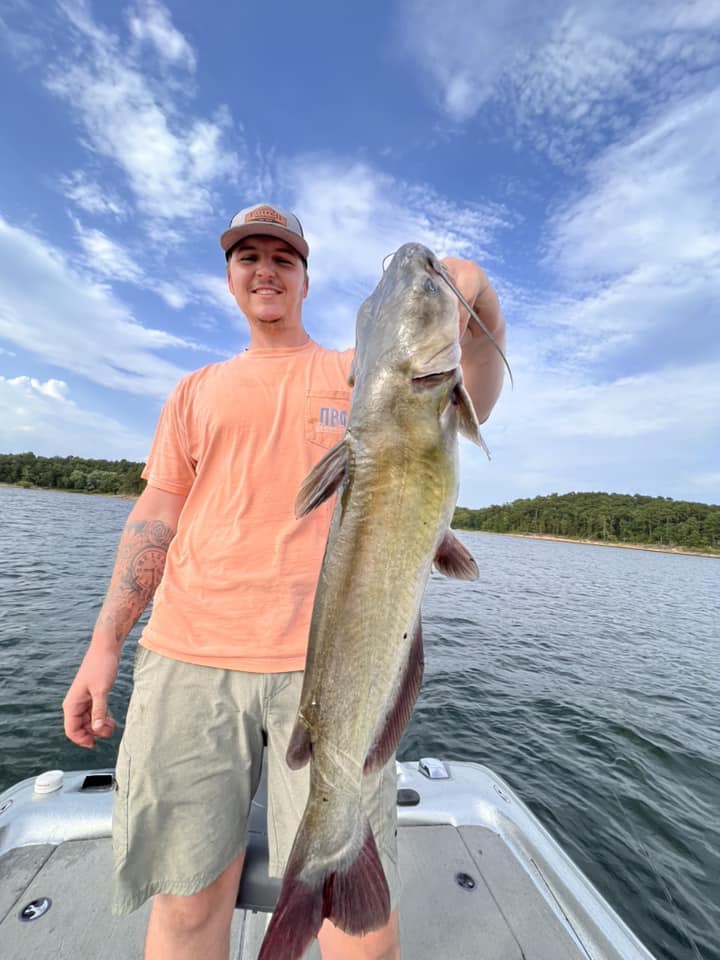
<point x="213" y="289"/>
<point x="355" y="215"/>
<point x="23" y="45"/>
<point x="638" y="253"/>
<point x="173" y="161"/>
<point x="173" y="295"/>
<point x="90" y="196"/>
<point x="560" y="76"/>
<point x="151" y="24"/>
<point x="72" y="322"/>
<point x="107" y="257"/>
<point x="40" y="416"/>
<point x="655" y="433"/>
<point x="652" y="199"/>
<point x="618" y="373"/>
<point x="465" y="48"/>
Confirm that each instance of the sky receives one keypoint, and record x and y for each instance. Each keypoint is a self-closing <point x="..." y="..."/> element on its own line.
<point x="571" y="150"/>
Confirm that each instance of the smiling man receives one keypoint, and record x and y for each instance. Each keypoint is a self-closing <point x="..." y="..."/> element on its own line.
<point x="214" y="539"/>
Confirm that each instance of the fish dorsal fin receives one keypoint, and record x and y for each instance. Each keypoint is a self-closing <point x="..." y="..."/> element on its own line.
<point x="467" y="418"/>
<point x="455" y="560"/>
<point x="388" y="734"/>
<point x="323" y="480"/>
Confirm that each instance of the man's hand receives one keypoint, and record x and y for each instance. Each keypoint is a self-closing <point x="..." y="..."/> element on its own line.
<point x="85" y="705"/>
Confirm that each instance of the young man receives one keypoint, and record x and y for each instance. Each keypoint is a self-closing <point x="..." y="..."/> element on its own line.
<point x="233" y="573"/>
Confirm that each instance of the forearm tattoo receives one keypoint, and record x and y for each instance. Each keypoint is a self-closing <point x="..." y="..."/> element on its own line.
<point x="138" y="570"/>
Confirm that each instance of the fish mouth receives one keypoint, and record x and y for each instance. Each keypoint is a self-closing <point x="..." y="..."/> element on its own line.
<point x="444" y="360"/>
<point x="429" y="380"/>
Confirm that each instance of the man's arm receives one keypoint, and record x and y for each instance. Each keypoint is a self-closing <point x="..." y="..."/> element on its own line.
<point x="482" y="365"/>
<point x="138" y="569"/>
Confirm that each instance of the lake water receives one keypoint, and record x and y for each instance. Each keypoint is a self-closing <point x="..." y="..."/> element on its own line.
<point x="588" y="677"/>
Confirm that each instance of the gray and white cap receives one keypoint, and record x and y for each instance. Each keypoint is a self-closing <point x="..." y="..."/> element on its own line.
<point x="266" y="220"/>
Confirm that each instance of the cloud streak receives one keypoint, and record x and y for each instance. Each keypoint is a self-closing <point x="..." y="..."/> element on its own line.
<point x="61" y="316"/>
<point x="559" y="77"/>
<point x="173" y="161"/>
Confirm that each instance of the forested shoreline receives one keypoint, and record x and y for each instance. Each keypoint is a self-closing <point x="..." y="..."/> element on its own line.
<point x="121" y="477"/>
<point x="605" y="517"/>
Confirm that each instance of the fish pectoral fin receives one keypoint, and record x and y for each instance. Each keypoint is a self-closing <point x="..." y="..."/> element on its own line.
<point x="455" y="560"/>
<point x="468" y="424"/>
<point x="323" y="480"/>
<point x="300" y="747"/>
<point x="398" y="716"/>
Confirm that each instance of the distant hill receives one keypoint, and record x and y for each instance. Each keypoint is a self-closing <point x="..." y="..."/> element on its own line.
<point x="608" y="517"/>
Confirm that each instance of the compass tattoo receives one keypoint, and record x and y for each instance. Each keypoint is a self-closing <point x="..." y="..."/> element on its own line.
<point x="138" y="570"/>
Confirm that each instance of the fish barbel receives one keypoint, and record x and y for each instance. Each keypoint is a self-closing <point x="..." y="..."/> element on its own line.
<point x="396" y="475"/>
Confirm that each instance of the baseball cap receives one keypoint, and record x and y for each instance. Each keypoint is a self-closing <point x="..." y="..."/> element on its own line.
<point x="266" y="220"/>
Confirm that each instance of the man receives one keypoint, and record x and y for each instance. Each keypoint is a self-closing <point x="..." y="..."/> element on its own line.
<point x="233" y="573"/>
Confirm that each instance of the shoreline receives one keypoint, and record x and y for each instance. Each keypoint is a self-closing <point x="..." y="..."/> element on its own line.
<point x="649" y="547"/>
<point x="80" y="493"/>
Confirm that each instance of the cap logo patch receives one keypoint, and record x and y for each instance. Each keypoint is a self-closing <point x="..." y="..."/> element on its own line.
<point x="266" y="214"/>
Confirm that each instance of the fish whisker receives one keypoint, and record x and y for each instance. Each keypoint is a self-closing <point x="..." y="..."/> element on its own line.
<point x="444" y="274"/>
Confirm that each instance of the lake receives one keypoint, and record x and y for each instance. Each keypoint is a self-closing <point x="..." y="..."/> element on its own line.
<point x="587" y="676"/>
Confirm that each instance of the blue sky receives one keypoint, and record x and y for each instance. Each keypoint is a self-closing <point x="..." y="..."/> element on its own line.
<point x="571" y="150"/>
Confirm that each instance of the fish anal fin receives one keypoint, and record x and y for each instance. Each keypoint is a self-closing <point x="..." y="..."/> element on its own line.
<point x="300" y="746"/>
<point x="323" y="480"/>
<point x="398" y="717"/>
<point x="468" y="424"/>
<point x="455" y="560"/>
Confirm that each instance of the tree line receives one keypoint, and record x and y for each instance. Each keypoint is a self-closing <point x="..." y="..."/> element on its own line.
<point x="610" y="517"/>
<point x="72" y="473"/>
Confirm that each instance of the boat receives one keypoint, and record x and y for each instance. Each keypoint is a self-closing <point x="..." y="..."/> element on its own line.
<point x="482" y="878"/>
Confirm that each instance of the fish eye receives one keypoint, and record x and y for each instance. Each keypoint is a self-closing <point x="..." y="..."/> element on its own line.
<point x="429" y="285"/>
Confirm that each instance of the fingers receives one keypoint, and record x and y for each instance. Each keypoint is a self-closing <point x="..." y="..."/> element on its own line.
<point x="101" y="722"/>
<point x="86" y="718"/>
<point x="77" y="729"/>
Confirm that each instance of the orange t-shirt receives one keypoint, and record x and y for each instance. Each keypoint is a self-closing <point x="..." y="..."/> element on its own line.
<point x="238" y="438"/>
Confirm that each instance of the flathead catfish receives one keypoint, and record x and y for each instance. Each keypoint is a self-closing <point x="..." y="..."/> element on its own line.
<point x="397" y="479"/>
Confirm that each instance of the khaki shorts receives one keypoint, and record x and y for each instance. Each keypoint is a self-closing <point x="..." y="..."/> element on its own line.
<point x="188" y="767"/>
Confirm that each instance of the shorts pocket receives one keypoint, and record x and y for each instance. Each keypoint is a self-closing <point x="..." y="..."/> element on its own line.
<point x="326" y="416"/>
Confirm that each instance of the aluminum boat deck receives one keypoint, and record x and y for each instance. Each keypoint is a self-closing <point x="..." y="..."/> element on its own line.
<point x="482" y="879"/>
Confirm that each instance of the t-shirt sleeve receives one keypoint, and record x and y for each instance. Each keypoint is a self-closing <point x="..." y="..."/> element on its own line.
<point x="170" y="466"/>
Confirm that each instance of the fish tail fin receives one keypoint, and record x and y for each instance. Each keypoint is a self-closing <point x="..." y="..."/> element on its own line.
<point x="358" y="896"/>
<point x="353" y="894"/>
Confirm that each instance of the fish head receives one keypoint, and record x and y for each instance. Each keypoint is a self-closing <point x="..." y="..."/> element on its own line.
<point x="409" y="325"/>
